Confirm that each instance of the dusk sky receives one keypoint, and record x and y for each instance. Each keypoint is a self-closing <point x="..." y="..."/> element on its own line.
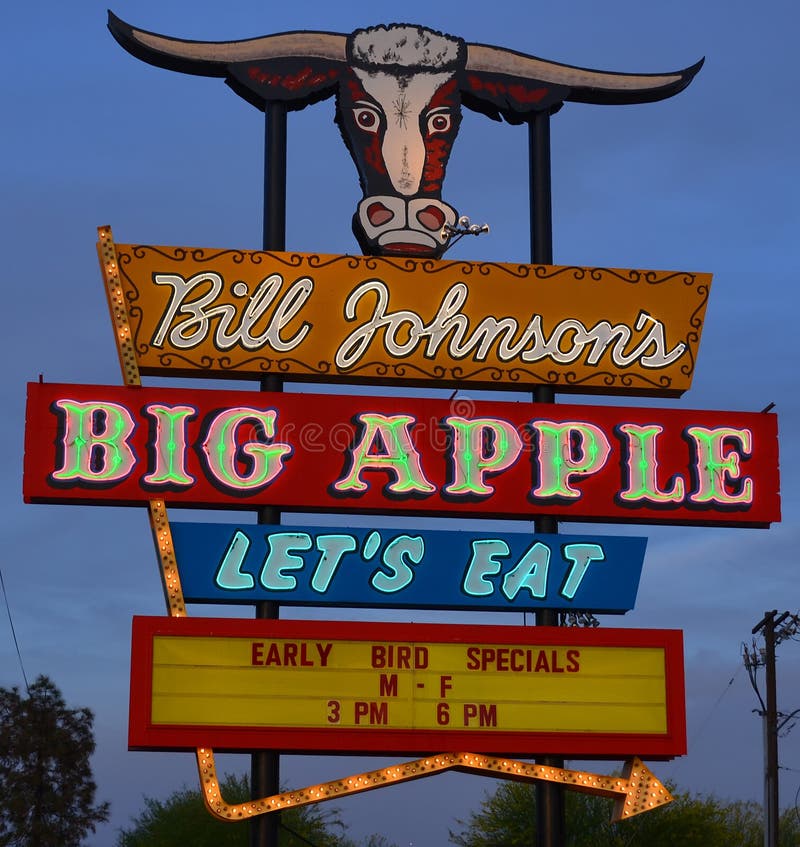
<point x="704" y="182"/>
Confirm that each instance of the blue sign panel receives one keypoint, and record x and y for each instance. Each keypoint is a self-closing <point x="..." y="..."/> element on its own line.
<point x="394" y="568"/>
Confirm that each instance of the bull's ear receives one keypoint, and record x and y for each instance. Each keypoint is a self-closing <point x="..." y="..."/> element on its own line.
<point x="296" y="82"/>
<point x="500" y="96"/>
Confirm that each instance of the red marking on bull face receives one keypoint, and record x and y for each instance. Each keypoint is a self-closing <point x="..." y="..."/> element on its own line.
<point x="439" y="127"/>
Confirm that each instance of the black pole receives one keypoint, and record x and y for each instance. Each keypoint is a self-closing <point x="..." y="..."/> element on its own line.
<point x="771" y="807"/>
<point x="265" y="766"/>
<point x="275" y="177"/>
<point x="550" y="819"/>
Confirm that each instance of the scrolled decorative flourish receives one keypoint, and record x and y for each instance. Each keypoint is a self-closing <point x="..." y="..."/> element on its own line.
<point x="256" y="364"/>
<point x="406" y="368"/>
<point x="132" y="296"/>
<point x="314" y="260"/>
<point x="140" y="251"/>
<point x="289" y="260"/>
<point x="683" y="276"/>
<point x="695" y="321"/>
<point x="687" y="368"/>
<point x="427" y="266"/>
<point x="553" y="271"/>
<point x="631" y="276"/>
<point x="492" y="374"/>
<point x="168" y="360"/>
<point x="134" y="310"/>
<point x="514" y="271"/>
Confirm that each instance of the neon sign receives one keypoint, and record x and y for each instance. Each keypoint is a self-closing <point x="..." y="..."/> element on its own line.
<point x="304" y="451"/>
<point x="405" y="688"/>
<point x="309" y="316"/>
<point x="319" y="566"/>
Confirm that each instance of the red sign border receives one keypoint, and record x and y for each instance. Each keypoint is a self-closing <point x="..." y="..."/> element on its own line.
<point x="289" y="491"/>
<point x="143" y="735"/>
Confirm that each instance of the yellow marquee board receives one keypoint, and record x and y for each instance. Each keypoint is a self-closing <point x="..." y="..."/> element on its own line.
<point x="404" y="688"/>
<point x="239" y="313"/>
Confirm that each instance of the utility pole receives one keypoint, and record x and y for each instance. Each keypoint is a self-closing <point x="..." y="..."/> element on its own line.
<point x="775" y="628"/>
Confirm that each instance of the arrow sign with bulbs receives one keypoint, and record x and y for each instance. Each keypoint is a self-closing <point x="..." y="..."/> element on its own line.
<point x="637" y="790"/>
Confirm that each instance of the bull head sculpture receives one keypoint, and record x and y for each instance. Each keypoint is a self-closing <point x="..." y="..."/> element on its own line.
<point x="399" y="91"/>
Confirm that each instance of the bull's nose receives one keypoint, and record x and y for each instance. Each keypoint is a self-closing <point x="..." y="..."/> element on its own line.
<point x="432" y="218"/>
<point x="378" y="214"/>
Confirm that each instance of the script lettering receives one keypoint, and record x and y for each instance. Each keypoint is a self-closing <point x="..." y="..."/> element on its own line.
<point x="404" y="331"/>
<point x="190" y="314"/>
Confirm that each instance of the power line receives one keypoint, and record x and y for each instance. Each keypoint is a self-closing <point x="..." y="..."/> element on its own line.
<point x="14" y="633"/>
<point x="711" y="711"/>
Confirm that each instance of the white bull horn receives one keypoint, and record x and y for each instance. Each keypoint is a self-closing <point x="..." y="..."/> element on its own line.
<point x="587" y="86"/>
<point x="210" y="58"/>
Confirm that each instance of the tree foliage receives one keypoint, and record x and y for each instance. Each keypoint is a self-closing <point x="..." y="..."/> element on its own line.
<point x="507" y="818"/>
<point x="46" y="786"/>
<point x="183" y="819"/>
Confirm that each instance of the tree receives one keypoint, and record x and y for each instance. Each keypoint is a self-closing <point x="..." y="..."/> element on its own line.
<point x="46" y="786"/>
<point x="507" y="818"/>
<point x="182" y="819"/>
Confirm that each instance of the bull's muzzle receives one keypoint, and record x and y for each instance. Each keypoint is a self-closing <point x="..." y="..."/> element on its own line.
<point x="391" y="224"/>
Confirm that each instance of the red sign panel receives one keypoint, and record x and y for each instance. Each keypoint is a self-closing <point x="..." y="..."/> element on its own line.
<point x="128" y="445"/>
<point x="309" y="686"/>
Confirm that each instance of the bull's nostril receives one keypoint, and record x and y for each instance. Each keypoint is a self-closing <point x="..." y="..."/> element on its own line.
<point x="378" y="214"/>
<point x="431" y="217"/>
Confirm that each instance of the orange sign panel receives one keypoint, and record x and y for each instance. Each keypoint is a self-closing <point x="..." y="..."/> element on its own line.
<point x="240" y="313"/>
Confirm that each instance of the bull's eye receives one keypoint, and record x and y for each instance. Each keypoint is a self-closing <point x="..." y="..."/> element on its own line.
<point x="439" y="122"/>
<point x="367" y="118"/>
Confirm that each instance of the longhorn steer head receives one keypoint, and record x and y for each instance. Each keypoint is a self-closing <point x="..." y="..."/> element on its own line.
<point x="399" y="91"/>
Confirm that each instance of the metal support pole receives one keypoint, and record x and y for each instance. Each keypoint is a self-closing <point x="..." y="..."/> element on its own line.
<point x="265" y="766"/>
<point x="550" y="820"/>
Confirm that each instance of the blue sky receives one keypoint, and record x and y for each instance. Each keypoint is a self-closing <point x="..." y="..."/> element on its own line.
<point x="706" y="181"/>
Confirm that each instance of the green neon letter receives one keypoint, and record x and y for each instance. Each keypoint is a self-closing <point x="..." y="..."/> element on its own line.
<point x="641" y="467"/>
<point x="717" y="469"/>
<point x="169" y="448"/>
<point x="480" y="446"/>
<point x="385" y="445"/>
<point x="224" y="455"/>
<point x="568" y="449"/>
<point x="93" y="442"/>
